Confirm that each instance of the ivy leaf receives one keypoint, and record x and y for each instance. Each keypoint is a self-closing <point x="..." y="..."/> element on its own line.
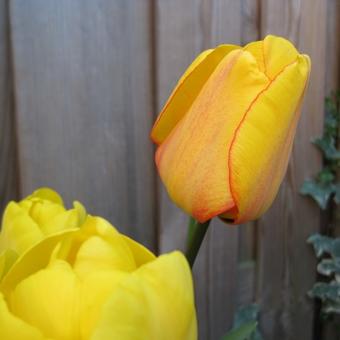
<point x="321" y="244"/>
<point x="335" y="249"/>
<point x="242" y="332"/>
<point x="331" y="307"/>
<point x="319" y="192"/>
<point x="246" y="314"/>
<point x="326" y="291"/>
<point x="327" y="145"/>
<point x="329" y="266"/>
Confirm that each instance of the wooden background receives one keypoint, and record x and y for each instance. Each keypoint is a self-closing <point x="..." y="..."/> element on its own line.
<point x="81" y="82"/>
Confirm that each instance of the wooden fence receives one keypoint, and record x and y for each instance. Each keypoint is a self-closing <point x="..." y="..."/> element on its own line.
<point x="81" y="82"/>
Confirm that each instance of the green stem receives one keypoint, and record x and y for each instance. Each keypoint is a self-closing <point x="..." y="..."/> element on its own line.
<point x="196" y="235"/>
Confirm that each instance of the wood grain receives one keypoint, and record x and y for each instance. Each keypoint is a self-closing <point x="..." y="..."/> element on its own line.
<point x="8" y="159"/>
<point x="333" y="46"/>
<point x="286" y="263"/>
<point x="83" y="90"/>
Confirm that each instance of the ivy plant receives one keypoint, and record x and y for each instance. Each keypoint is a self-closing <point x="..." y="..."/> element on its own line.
<point x="327" y="249"/>
<point x="245" y="324"/>
<point x="324" y="187"/>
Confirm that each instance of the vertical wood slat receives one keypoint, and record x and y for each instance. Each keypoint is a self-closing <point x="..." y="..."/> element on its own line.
<point x="8" y="178"/>
<point x="83" y="91"/>
<point x="333" y="46"/>
<point x="287" y="264"/>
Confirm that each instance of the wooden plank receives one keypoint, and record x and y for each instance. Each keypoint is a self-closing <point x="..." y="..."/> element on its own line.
<point x="286" y="263"/>
<point x="333" y="46"/>
<point x="8" y="178"/>
<point x="184" y="28"/>
<point x="83" y="89"/>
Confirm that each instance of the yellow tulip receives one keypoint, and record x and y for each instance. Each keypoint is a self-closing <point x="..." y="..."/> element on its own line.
<point x="31" y="220"/>
<point x="91" y="282"/>
<point x="225" y="134"/>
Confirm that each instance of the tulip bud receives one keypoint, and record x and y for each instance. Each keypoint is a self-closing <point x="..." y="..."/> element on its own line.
<point x="225" y="134"/>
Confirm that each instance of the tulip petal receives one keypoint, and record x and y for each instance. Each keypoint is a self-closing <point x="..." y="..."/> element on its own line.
<point x="49" y="300"/>
<point x="68" y="219"/>
<point x="12" y="328"/>
<point x="7" y="259"/>
<point x="278" y="53"/>
<point x="272" y="54"/>
<point x="46" y="194"/>
<point x="97" y="246"/>
<point x="187" y="90"/>
<point x="262" y="142"/>
<point x="141" y="254"/>
<point x="193" y="160"/>
<point x="155" y="302"/>
<point x="19" y="231"/>
<point x="35" y="258"/>
<point x="96" y="288"/>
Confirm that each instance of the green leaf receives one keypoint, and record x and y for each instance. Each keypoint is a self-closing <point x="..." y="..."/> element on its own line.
<point x="242" y="332"/>
<point x="328" y="147"/>
<point x="247" y="314"/>
<point x="329" y="266"/>
<point x="326" y="291"/>
<point x="319" y="192"/>
<point x="331" y="307"/>
<point x="321" y="244"/>
<point x="335" y="249"/>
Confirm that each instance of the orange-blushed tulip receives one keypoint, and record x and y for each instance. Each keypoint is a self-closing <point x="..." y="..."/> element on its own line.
<point x="225" y="134"/>
<point x="88" y="281"/>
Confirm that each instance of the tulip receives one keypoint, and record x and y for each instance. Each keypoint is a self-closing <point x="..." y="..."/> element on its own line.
<point x="225" y="134"/>
<point x="92" y="282"/>
<point x="29" y="221"/>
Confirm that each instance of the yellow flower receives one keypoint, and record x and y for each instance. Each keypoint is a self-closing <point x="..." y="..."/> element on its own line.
<point x="31" y="220"/>
<point x="226" y="132"/>
<point x="94" y="283"/>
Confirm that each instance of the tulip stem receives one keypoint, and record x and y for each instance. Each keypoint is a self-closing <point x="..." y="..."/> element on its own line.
<point x="196" y="235"/>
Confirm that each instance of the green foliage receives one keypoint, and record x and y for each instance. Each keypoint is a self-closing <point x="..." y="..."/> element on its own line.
<point x="243" y="332"/>
<point x="245" y="324"/>
<point x="329" y="266"/>
<point x="324" y="187"/>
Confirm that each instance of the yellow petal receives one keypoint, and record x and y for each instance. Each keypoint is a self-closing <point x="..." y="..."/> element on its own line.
<point x="49" y="300"/>
<point x="19" y="231"/>
<point x="96" y="288"/>
<point x="34" y="259"/>
<point x="187" y="90"/>
<point x="7" y="259"/>
<point x="12" y="328"/>
<point x="193" y="160"/>
<point x="263" y="140"/>
<point x="69" y="219"/>
<point x="97" y="246"/>
<point x="155" y="302"/>
<point x="46" y="194"/>
<point x="278" y="54"/>
<point x="141" y="254"/>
